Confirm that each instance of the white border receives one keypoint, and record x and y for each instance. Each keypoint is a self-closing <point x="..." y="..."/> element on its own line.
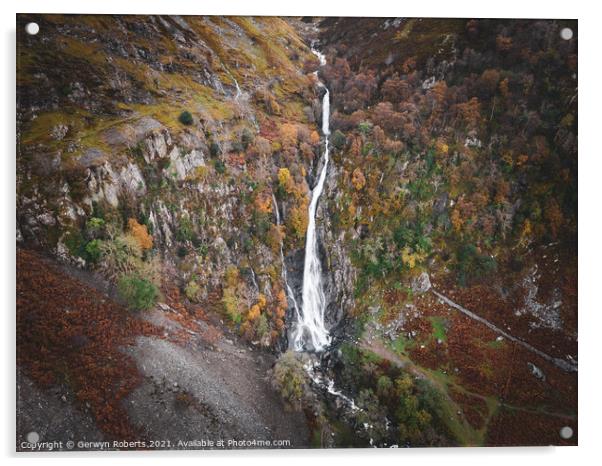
<point x="590" y="263"/>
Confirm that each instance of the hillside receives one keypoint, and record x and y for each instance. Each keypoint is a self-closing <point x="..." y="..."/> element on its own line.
<point x="165" y="169"/>
<point x="457" y="159"/>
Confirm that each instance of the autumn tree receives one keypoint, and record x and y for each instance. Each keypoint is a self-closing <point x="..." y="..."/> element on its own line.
<point x="503" y="43"/>
<point x="262" y="146"/>
<point x="288" y="135"/>
<point x="263" y="201"/>
<point x="275" y="237"/>
<point x="285" y="180"/>
<point x="489" y="81"/>
<point x="299" y="218"/>
<point x="470" y="112"/>
<point x="357" y="179"/>
<point x="306" y="150"/>
<point x="395" y="89"/>
<point x="140" y="232"/>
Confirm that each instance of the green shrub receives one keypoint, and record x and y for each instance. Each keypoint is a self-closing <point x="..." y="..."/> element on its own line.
<point x="202" y="250"/>
<point x="384" y="386"/>
<point x="120" y="256"/>
<point x="262" y="326"/>
<point x="220" y="167"/>
<point x="412" y="415"/>
<point x="232" y="305"/>
<point x="471" y="264"/>
<point x="246" y="138"/>
<point x="338" y="139"/>
<point x="260" y="224"/>
<point x="138" y="293"/>
<point x="94" y="225"/>
<point x="75" y="243"/>
<point x="93" y="250"/>
<point x="192" y="291"/>
<point x="185" y="230"/>
<point x="365" y="127"/>
<point x="186" y="118"/>
<point x="290" y="380"/>
<point x="237" y="146"/>
<point x="214" y="149"/>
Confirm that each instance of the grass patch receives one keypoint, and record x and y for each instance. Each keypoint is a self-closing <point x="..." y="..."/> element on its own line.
<point x="439" y="329"/>
<point x="401" y="345"/>
<point x="496" y="344"/>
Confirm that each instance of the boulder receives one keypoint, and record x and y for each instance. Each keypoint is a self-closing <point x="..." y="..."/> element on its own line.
<point x="536" y="372"/>
<point x="421" y="284"/>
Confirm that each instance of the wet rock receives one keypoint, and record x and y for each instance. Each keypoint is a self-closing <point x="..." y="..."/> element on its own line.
<point x="131" y="180"/>
<point x="46" y="218"/>
<point x="546" y="314"/>
<point x="156" y="146"/>
<point x="429" y="83"/>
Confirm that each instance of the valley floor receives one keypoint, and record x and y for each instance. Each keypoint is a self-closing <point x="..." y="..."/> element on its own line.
<point x="496" y="391"/>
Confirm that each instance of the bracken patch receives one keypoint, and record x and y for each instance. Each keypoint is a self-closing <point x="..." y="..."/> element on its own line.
<point x="69" y="333"/>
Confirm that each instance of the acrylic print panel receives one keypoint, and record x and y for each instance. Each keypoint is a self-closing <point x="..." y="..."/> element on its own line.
<point x="266" y="232"/>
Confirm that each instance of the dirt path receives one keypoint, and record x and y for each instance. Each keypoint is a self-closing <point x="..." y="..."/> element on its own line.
<point x="453" y="415"/>
<point x="455" y="418"/>
<point x="560" y="363"/>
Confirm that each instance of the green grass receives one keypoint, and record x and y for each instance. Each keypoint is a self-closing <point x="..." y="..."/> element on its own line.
<point x="370" y="357"/>
<point x="496" y="344"/>
<point x="401" y="345"/>
<point x="439" y="330"/>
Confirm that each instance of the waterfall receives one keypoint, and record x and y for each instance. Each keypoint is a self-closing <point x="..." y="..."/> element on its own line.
<point x="289" y="291"/>
<point x="311" y="333"/>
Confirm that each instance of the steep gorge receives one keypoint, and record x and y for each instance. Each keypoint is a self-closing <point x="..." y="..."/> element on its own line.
<point x="183" y="155"/>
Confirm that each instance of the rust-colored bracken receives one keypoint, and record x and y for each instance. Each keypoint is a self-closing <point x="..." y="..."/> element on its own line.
<point x="69" y="333"/>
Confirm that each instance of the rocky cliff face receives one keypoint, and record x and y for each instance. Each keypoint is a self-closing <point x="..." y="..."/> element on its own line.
<point x="149" y="151"/>
<point x="181" y="123"/>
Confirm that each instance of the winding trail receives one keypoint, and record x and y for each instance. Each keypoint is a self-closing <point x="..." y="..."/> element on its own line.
<point x="560" y="363"/>
<point x="454" y="413"/>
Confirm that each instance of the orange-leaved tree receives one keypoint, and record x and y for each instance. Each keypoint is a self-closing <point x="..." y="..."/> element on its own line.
<point x="140" y="232"/>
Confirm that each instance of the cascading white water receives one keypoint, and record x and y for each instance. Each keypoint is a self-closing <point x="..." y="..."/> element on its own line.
<point x="289" y="290"/>
<point x="311" y="332"/>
